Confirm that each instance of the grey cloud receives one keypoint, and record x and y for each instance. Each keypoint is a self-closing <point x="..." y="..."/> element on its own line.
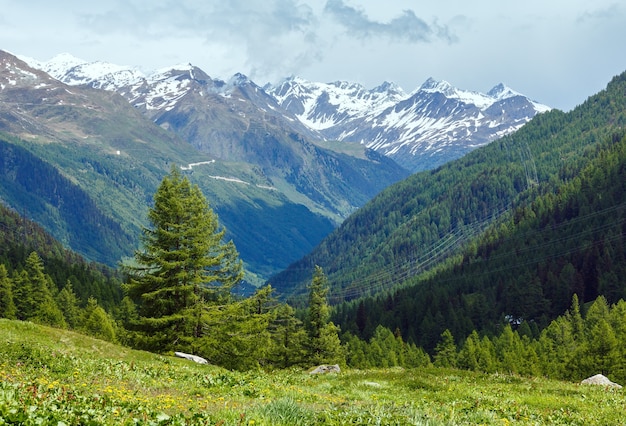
<point x="219" y="20"/>
<point x="279" y="36"/>
<point x="271" y="32"/>
<point x="613" y="11"/>
<point x="144" y="19"/>
<point x="408" y="26"/>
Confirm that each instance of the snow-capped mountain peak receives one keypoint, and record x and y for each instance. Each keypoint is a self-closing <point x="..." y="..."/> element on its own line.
<point x="326" y="105"/>
<point x="57" y="66"/>
<point x="389" y="87"/>
<point x="75" y="71"/>
<point x="449" y="91"/>
<point x="184" y="67"/>
<point x="431" y="85"/>
<point x="435" y="123"/>
<point x="239" y="80"/>
<point x="502" y="91"/>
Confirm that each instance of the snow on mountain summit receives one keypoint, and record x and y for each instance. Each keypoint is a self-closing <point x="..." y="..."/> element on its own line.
<point x="481" y="100"/>
<point x="57" y="66"/>
<point x="431" y="125"/>
<point x="441" y="86"/>
<point x="423" y="129"/>
<point x="75" y="71"/>
<point x="502" y="91"/>
<point x="327" y="105"/>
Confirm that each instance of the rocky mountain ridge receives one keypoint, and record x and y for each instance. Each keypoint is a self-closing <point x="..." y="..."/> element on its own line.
<point x="424" y="129"/>
<point x="420" y="130"/>
<point x="276" y="193"/>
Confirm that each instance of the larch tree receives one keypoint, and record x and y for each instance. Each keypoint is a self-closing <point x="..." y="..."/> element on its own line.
<point x="97" y="322"/>
<point x="184" y="265"/>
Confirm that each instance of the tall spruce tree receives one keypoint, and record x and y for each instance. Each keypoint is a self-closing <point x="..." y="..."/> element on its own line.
<point x="68" y="303"/>
<point x="33" y="294"/>
<point x="184" y="265"/>
<point x="324" y="344"/>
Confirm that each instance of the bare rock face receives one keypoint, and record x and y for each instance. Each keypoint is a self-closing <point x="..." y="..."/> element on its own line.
<point x="324" y="369"/>
<point x="601" y="380"/>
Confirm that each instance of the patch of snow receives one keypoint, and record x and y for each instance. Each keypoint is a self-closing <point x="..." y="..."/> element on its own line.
<point x="230" y="179"/>
<point x="190" y="166"/>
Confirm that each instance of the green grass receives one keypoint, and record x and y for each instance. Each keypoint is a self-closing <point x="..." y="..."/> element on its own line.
<point x="51" y="376"/>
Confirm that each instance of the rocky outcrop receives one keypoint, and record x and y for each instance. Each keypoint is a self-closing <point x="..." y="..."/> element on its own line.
<point x="601" y="380"/>
<point x="324" y="369"/>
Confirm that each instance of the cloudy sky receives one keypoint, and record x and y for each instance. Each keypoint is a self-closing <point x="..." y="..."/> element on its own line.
<point x="557" y="52"/>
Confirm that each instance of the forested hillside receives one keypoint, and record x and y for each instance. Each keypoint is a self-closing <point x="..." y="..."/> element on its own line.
<point x="415" y="224"/>
<point x="59" y="204"/>
<point x="525" y="269"/>
<point x="61" y="268"/>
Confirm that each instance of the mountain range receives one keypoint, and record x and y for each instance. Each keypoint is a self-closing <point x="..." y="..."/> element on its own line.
<point x="282" y="165"/>
<point x="421" y="130"/>
<point x="277" y="194"/>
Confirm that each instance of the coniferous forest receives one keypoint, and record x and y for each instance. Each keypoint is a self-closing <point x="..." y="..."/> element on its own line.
<point x="510" y="259"/>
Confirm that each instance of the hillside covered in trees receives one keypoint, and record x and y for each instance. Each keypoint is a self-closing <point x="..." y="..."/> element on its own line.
<point x="433" y="216"/>
<point x="20" y="238"/>
<point x="524" y="269"/>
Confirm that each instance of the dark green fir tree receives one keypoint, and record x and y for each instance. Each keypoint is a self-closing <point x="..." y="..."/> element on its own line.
<point x="324" y="345"/>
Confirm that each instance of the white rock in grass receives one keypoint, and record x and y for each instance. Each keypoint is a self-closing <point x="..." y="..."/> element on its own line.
<point x="190" y="357"/>
<point x="323" y="369"/>
<point x="601" y="380"/>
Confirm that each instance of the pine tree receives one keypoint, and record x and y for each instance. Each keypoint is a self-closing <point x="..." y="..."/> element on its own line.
<point x="361" y="318"/>
<point x="237" y="334"/>
<point x="618" y="322"/>
<point x="288" y="337"/>
<point x="576" y="319"/>
<point x="324" y="344"/>
<point x="557" y="346"/>
<point x="509" y="350"/>
<point x="445" y="351"/>
<point x="598" y="311"/>
<point x="477" y="354"/>
<point x="599" y="354"/>
<point x="386" y="348"/>
<point x="183" y="266"/>
<point x="68" y="303"/>
<point x="97" y="322"/>
<point x="7" y="306"/>
<point x="356" y="351"/>
<point x="23" y="295"/>
<point x="39" y="305"/>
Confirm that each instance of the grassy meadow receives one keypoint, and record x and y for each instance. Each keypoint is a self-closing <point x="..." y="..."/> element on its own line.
<point x="51" y="376"/>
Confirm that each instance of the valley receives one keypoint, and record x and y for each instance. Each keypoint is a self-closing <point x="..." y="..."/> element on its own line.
<point x="505" y="259"/>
